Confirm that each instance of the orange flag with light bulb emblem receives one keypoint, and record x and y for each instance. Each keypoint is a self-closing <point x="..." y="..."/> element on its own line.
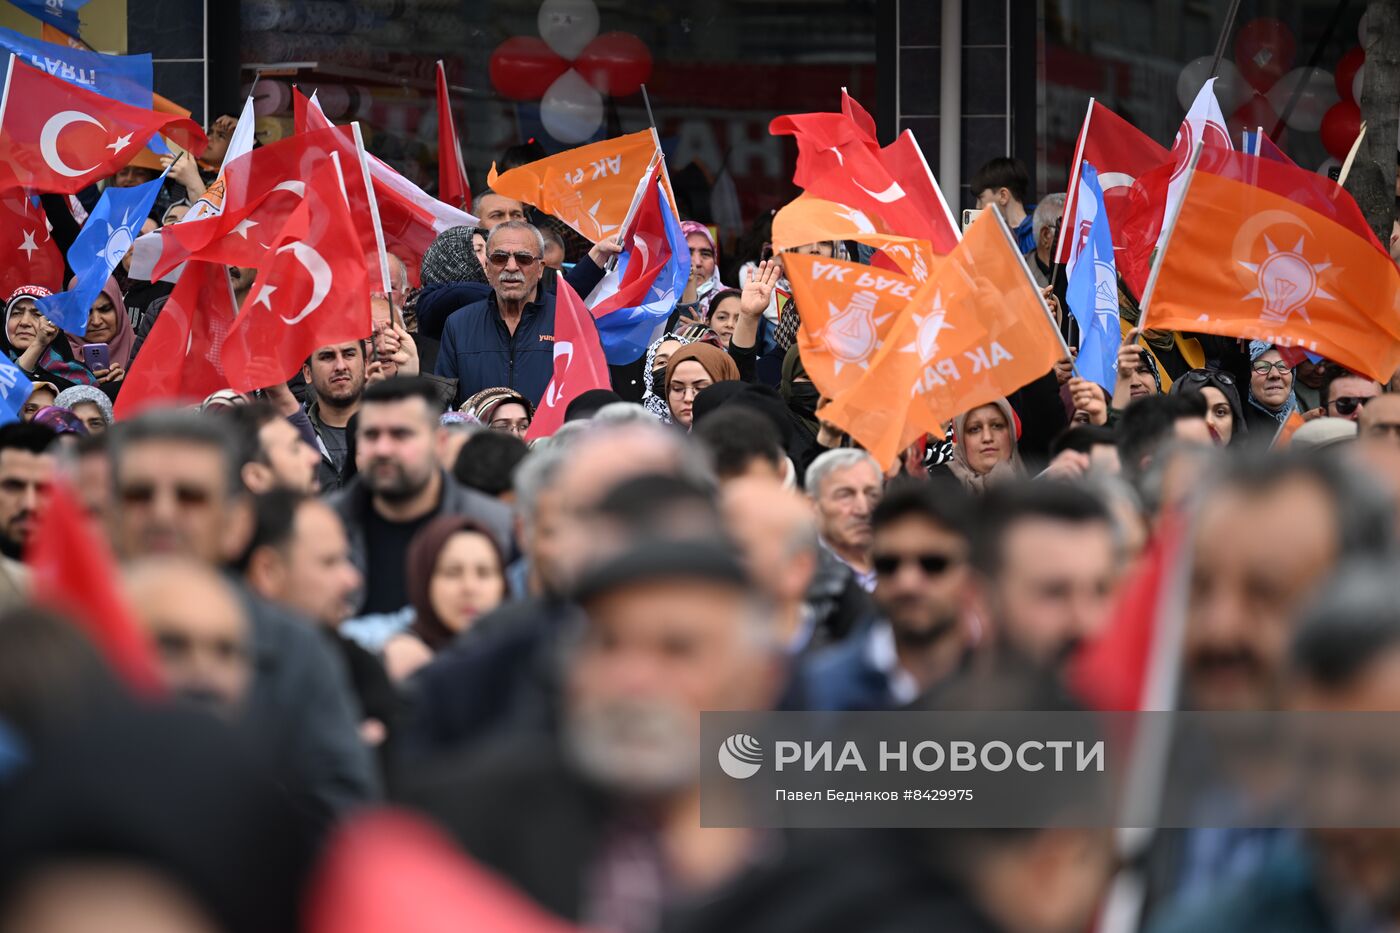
<point x="976" y="331"/>
<point x="1268" y="251"/>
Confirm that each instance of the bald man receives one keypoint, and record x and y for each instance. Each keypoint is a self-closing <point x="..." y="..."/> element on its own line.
<point x="777" y="535"/>
<point x="200" y="629"/>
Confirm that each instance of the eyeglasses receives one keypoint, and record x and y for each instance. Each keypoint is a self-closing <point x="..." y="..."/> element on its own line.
<point x="1348" y="404"/>
<point x="1207" y="376"/>
<point x="931" y="563"/>
<point x="681" y="391"/>
<point x="1262" y="367"/>
<point x="523" y="260"/>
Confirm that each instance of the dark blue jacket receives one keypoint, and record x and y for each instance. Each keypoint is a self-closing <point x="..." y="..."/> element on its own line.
<point x="843" y="678"/>
<point x="480" y="352"/>
<point x="437" y="302"/>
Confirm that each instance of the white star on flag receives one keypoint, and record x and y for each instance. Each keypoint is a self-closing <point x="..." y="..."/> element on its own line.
<point x="265" y="296"/>
<point x="120" y="143"/>
<point x="244" y="226"/>
<point x="29" y="246"/>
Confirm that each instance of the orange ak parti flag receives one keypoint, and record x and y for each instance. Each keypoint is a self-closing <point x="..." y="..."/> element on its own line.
<point x="590" y="188"/>
<point x="809" y="219"/>
<point x="848" y="311"/>
<point x="976" y="331"/>
<point x="1268" y="251"/>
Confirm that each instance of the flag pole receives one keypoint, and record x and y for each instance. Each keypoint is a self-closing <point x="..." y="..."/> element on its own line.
<point x="1030" y="280"/>
<point x="651" y="118"/>
<point x="1072" y="191"/>
<point x="1167" y="238"/>
<point x="1220" y="43"/>
<point x="5" y="95"/>
<point x="937" y="189"/>
<point x="374" y="215"/>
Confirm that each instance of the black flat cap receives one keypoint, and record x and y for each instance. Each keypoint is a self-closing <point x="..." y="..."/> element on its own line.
<point x="650" y="561"/>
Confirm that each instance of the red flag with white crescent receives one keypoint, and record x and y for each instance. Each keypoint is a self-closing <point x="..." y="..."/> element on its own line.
<point x="312" y="292"/>
<point x="57" y="137"/>
<point x="579" y="362"/>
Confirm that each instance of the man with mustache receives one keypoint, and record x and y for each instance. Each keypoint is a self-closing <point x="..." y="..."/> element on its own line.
<point x="1046" y="562"/>
<point x="507" y="339"/>
<point x="26" y="469"/>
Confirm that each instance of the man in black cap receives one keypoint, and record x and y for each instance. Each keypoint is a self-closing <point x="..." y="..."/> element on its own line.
<point x="672" y="629"/>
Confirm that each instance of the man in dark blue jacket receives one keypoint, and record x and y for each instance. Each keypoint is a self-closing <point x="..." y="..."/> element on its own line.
<point x="508" y="338"/>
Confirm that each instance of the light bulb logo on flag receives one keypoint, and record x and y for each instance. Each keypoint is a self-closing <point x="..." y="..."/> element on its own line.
<point x="1287" y="281"/>
<point x="852" y="334"/>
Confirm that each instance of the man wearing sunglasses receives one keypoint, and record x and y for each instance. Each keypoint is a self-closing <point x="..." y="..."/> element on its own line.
<point x="920" y="554"/>
<point x="507" y="339"/>
<point x="1344" y="393"/>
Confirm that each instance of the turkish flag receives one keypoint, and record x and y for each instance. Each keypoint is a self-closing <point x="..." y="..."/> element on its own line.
<point x="57" y="137"/>
<point x="453" y="186"/>
<point x="579" y="362"/>
<point x="311" y="292"/>
<point x="391" y="870"/>
<point x="1122" y="153"/>
<point x="182" y="359"/>
<point x="73" y="573"/>
<point x="30" y="256"/>
<point x="261" y="189"/>
<point x="837" y="161"/>
<point x="409" y="218"/>
<point x="808" y="219"/>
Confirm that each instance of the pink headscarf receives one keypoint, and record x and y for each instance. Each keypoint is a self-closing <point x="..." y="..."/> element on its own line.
<point x="712" y="286"/>
<point x="119" y="347"/>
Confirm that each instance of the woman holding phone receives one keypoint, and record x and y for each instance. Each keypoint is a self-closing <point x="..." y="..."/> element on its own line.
<point x="108" y="325"/>
<point x="36" y="345"/>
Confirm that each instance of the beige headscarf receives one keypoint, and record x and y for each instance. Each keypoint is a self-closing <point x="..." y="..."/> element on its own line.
<point x="1010" y="468"/>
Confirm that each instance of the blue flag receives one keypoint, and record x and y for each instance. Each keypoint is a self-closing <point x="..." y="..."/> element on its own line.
<point x="111" y="228"/>
<point x="1092" y="292"/>
<point x="60" y="14"/>
<point x="15" y="389"/>
<point x="126" y="78"/>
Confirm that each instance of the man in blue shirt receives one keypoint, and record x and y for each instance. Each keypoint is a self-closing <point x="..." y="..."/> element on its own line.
<point x="1006" y="183"/>
<point x="507" y="339"/>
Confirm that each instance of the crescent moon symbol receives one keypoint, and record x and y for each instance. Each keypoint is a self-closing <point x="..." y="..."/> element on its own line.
<point x="1115" y="180"/>
<point x="888" y="196"/>
<point x="321" y="277"/>
<point x="48" y="140"/>
<point x="297" y="188"/>
<point x="562" y="350"/>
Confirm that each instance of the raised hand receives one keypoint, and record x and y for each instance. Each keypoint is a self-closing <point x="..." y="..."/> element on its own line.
<point x="758" y="291"/>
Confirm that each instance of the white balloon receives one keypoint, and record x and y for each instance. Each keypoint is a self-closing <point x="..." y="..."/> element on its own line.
<point x="1319" y="93"/>
<point x="1231" y="89"/>
<point x="1356" y="84"/>
<point x="567" y="26"/>
<point x="572" y="109"/>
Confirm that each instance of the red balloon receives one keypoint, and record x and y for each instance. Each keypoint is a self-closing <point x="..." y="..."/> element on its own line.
<point x="1346" y="71"/>
<point x="1264" y="51"/>
<point x="523" y="67"/>
<point x="616" y="63"/>
<point x="1340" y="127"/>
<point x="1252" y="114"/>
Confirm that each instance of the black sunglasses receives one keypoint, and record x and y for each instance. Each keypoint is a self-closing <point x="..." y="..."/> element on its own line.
<point x="932" y="564"/>
<point x="1348" y="404"/>
<point x="523" y="260"/>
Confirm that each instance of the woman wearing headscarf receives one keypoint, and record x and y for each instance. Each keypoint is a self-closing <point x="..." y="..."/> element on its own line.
<point x="455" y="574"/>
<point x="108" y="323"/>
<point x="1224" y="413"/>
<point x="984" y="450"/>
<point x="690" y="370"/>
<point x="452" y="277"/>
<point x="36" y="345"/>
<point x="654" y="375"/>
<point x="501" y="409"/>
<point x="704" y="283"/>
<point x="91" y="406"/>
<point x="1271" y="399"/>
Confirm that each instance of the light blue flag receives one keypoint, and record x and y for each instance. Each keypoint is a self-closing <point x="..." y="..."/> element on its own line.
<point x="111" y="228"/>
<point x="60" y="14"/>
<point x="1092" y="292"/>
<point x="126" y="78"/>
<point x="15" y="389"/>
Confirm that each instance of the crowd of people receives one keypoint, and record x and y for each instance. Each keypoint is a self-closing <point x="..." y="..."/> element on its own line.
<point x="364" y="587"/>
